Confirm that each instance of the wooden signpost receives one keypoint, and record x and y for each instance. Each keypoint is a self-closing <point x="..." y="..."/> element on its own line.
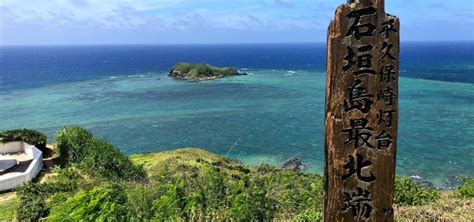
<point x="361" y="112"/>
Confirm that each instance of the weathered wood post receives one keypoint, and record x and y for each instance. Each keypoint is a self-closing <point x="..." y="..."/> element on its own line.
<point x="361" y="113"/>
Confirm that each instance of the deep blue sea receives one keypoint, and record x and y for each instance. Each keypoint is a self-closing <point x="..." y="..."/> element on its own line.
<point x="123" y="94"/>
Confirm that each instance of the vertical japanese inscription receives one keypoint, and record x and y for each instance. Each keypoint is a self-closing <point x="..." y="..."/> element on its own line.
<point x="361" y="112"/>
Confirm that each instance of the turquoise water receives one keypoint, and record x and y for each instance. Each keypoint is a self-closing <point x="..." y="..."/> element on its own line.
<point x="267" y="116"/>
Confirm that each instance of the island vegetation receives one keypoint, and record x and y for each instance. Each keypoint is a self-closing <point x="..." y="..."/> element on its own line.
<point x="199" y="72"/>
<point x="95" y="181"/>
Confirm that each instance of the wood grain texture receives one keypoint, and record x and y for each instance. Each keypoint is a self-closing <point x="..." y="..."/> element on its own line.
<point x="376" y="141"/>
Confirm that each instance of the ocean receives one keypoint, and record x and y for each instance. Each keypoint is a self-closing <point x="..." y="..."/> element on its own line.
<point x="123" y="94"/>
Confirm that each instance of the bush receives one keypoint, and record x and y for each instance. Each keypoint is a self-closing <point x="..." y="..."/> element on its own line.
<point x="291" y="192"/>
<point x="309" y="215"/>
<point x="29" y="136"/>
<point x="142" y="196"/>
<point x="95" y="156"/>
<point x="104" y="160"/>
<point x="467" y="189"/>
<point x="409" y="193"/>
<point x="32" y="202"/>
<point x="106" y="202"/>
<point x="33" y="196"/>
<point x="169" y="206"/>
<point x="71" y="144"/>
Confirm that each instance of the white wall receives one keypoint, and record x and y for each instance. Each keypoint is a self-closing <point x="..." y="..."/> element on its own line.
<point x="11" y="180"/>
<point x="12" y="147"/>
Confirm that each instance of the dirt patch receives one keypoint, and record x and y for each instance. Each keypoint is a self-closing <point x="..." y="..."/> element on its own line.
<point x="48" y="151"/>
<point x="48" y="157"/>
<point x="7" y="196"/>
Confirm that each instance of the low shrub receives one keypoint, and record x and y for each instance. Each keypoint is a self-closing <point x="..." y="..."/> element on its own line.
<point x="467" y="189"/>
<point x="142" y="196"/>
<point x="293" y="193"/>
<point x="95" y="156"/>
<point x="184" y="185"/>
<point x="106" y="202"/>
<point x="170" y="205"/>
<point x="104" y="160"/>
<point x="82" y="156"/>
<point x="194" y="189"/>
<point x="309" y="215"/>
<point x="29" y="136"/>
<point x="33" y="196"/>
<point x="410" y="193"/>
<point x="72" y="143"/>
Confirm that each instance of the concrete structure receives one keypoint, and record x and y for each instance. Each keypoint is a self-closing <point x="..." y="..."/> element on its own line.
<point x="29" y="160"/>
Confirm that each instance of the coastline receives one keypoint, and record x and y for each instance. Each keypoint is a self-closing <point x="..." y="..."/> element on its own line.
<point x="283" y="116"/>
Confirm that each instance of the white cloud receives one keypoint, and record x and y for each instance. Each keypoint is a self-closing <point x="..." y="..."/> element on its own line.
<point x="56" y="12"/>
<point x="180" y="14"/>
<point x="71" y="18"/>
<point x="286" y="3"/>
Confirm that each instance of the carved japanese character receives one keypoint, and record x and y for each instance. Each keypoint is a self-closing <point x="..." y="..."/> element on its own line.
<point x="356" y="166"/>
<point x="384" y="140"/>
<point x="358" y="98"/>
<point x="363" y="59"/>
<point x="387" y="95"/>
<point x="387" y="28"/>
<point x="361" y="30"/>
<point x="386" y="47"/>
<point x="388" y="210"/>
<point x="385" y="117"/>
<point x="387" y="73"/>
<point x="359" y="134"/>
<point x="359" y="203"/>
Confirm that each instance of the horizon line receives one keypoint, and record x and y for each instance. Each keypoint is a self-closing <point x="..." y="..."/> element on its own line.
<point x="210" y="43"/>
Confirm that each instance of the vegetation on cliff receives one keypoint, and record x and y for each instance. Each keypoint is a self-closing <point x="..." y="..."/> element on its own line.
<point x="29" y="136"/>
<point x="198" y="72"/>
<point x="96" y="157"/>
<point x="98" y="182"/>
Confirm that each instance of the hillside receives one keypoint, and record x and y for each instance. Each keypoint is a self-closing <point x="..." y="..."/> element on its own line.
<point x="95" y="181"/>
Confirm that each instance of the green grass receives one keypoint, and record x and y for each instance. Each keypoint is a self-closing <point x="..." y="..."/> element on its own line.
<point x="155" y="163"/>
<point x="448" y="207"/>
<point x="8" y="205"/>
<point x="467" y="189"/>
<point x="193" y="184"/>
<point x="217" y="187"/>
<point x="77" y="146"/>
<point x="97" y="182"/>
<point x="408" y="193"/>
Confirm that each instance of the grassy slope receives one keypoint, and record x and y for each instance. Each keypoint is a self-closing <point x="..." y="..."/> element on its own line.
<point x="292" y="195"/>
<point x="448" y="208"/>
<point x="152" y="162"/>
<point x="8" y="203"/>
<point x="150" y="159"/>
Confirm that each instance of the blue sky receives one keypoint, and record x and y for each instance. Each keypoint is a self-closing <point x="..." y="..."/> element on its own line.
<point x="34" y="22"/>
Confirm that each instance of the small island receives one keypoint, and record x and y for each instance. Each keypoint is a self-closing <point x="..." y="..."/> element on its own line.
<point x="200" y="72"/>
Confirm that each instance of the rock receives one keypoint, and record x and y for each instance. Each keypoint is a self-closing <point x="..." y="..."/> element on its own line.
<point x="422" y="182"/>
<point x="200" y="72"/>
<point x="294" y="163"/>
